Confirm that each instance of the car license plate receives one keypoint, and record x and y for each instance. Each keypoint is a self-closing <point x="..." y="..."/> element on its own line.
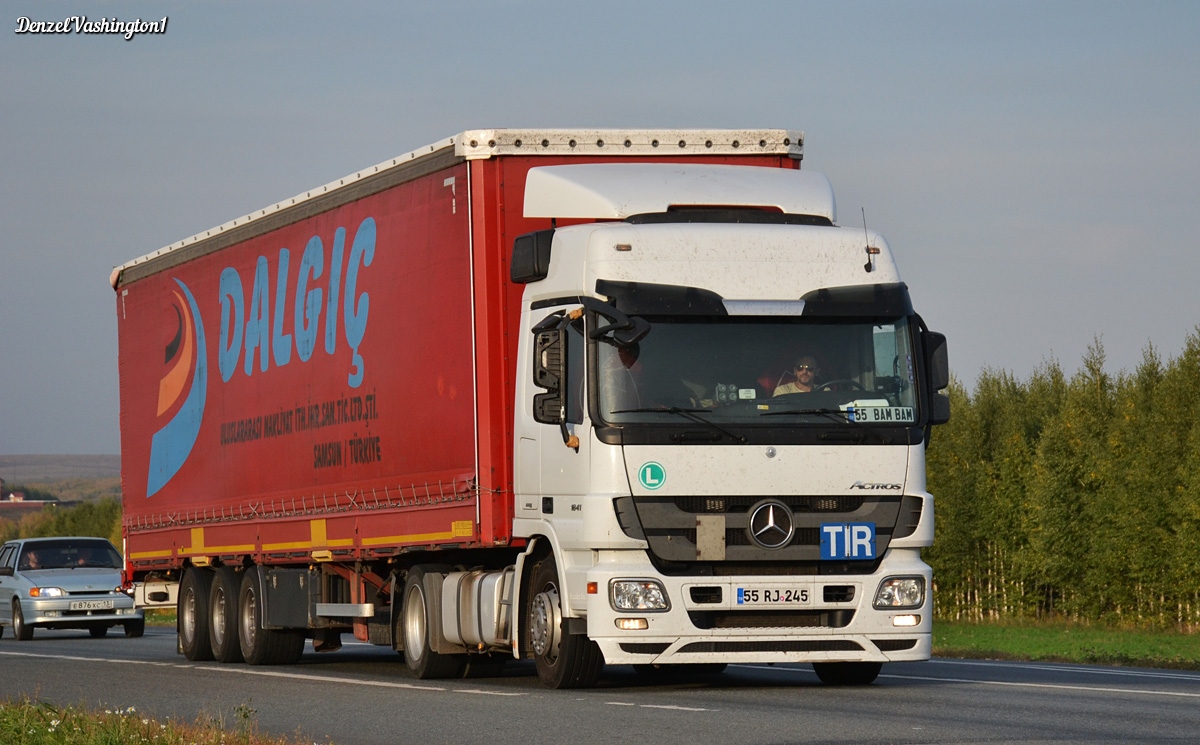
<point x="91" y="605"/>
<point x="776" y="596"/>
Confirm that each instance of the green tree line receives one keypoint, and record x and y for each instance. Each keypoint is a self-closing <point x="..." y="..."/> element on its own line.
<point x="101" y="518"/>
<point x="1075" y="498"/>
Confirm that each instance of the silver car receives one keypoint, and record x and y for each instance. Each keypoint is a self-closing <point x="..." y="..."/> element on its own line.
<point x="64" y="583"/>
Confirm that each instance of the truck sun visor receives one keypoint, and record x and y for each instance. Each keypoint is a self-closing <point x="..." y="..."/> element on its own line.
<point x="644" y="298"/>
<point x="859" y="300"/>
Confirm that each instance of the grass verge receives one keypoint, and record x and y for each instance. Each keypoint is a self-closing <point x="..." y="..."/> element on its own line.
<point x="1067" y="643"/>
<point x="27" y="722"/>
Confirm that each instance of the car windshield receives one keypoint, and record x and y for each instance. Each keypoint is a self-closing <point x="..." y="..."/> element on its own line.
<point x="768" y="370"/>
<point x="68" y="553"/>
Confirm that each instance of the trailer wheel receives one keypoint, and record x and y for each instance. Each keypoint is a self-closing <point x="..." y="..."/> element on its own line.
<point x="415" y="620"/>
<point x="261" y="646"/>
<point x="847" y="673"/>
<point x="223" y="615"/>
<point x="563" y="660"/>
<point x="192" y="614"/>
<point x="21" y="630"/>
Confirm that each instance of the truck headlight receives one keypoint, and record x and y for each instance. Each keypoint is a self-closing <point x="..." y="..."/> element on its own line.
<point x="900" y="592"/>
<point x="638" y="594"/>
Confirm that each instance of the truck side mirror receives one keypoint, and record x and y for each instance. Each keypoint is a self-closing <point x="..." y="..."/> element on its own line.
<point x="937" y="363"/>
<point x="549" y="356"/>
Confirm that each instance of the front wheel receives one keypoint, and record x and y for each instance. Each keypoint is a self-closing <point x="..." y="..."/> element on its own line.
<point x="563" y="660"/>
<point x="847" y="673"/>
<point x="135" y="629"/>
<point x="21" y="630"/>
<point x="98" y="632"/>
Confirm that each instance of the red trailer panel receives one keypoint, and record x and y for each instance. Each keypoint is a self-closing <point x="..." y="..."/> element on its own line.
<point x="305" y="372"/>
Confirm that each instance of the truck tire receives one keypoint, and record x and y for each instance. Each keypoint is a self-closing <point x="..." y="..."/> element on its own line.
<point x="21" y="630"/>
<point x="192" y="614"/>
<point x="261" y="646"/>
<point x="416" y="617"/>
<point x="563" y="660"/>
<point x="847" y="673"/>
<point x="223" y="615"/>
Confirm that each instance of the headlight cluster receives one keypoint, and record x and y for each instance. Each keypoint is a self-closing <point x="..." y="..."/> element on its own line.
<point x="46" y="592"/>
<point x="638" y="595"/>
<point x="900" y="592"/>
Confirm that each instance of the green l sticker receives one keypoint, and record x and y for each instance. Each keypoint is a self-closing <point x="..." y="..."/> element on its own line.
<point x="652" y="475"/>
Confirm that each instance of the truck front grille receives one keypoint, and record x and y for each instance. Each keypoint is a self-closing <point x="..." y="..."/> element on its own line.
<point x="670" y="524"/>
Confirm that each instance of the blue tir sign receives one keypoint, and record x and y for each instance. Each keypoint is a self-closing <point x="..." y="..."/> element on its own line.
<point x="847" y="541"/>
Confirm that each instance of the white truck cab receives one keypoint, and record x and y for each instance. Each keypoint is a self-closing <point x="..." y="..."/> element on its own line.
<point x="724" y="400"/>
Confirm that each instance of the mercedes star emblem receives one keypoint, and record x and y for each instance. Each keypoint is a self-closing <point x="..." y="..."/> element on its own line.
<point x="771" y="524"/>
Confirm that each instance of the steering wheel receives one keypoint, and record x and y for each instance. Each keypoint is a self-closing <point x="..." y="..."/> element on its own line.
<point x="835" y="385"/>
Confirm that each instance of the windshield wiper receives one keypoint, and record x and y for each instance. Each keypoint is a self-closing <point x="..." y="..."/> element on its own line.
<point x="690" y="414"/>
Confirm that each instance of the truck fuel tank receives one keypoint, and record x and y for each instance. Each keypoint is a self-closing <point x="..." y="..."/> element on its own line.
<point x="476" y="608"/>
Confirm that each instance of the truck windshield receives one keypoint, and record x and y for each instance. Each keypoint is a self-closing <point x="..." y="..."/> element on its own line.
<point x="763" y="369"/>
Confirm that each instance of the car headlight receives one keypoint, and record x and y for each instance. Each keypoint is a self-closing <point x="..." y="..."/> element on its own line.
<point x="638" y="595"/>
<point x="46" y="592"/>
<point x="900" y="592"/>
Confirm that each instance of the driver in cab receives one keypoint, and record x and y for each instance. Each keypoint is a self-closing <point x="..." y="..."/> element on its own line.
<point x="804" y="377"/>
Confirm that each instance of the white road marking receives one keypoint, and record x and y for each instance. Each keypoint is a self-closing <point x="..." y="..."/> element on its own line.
<point x="260" y="673"/>
<point x="656" y="706"/>
<point x="1058" y="686"/>
<point x="1011" y="684"/>
<point x="1161" y="674"/>
<point x="316" y="678"/>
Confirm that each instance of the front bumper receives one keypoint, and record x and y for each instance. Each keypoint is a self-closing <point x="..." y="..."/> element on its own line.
<point x="58" y="612"/>
<point x="707" y="624"/>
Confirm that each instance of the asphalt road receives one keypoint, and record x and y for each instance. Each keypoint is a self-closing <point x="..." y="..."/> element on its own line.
<point x="362" y="695"/>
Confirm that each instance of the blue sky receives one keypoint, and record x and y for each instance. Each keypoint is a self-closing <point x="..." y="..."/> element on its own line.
<point x="1034" y="165"/>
